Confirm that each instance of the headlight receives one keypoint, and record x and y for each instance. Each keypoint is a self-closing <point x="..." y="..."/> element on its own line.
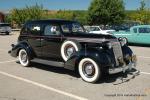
<point x="123" y="41"/>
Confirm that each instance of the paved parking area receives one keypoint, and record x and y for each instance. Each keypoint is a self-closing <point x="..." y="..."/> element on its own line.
<point x="42" y="82"/>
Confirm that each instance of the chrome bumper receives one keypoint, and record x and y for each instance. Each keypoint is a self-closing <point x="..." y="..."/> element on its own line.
<point x="122" y="69"/>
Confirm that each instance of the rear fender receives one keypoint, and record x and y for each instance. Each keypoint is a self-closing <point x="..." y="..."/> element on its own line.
<point x="22" y="45"/>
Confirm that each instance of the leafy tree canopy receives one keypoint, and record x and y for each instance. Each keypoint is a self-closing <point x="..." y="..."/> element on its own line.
<point x="106" y="12"/>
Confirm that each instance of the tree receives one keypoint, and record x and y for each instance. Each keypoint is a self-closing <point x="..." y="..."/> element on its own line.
<point x="143" y="14"/>
<point x="20" y="16"/>
<point x="142" y="7"/>
<point x="77" y="15"/>
<point x="106" y="12"/>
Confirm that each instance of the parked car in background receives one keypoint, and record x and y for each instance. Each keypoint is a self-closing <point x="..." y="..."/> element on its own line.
<point x="98" y="30"/>
<point x="137" y="34"/>
<point x="5" y="28"/>
<point x="120" y="27"/>
<point x="126" y="25"/>
<point x="64" y="43"/>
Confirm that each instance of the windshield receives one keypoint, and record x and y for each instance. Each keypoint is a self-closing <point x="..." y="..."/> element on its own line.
<point x="144" y="30"/>
<point x="72" y="28"/>
<point x="94" y="29"/>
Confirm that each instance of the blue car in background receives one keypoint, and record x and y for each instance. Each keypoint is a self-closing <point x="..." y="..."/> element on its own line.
<point x="137" y="34"/>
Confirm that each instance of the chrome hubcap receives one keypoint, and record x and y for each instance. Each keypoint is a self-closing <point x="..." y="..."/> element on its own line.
<point x="88" y="69"/>
<point x="23" y="57"/>
<point x="69" y="50"/>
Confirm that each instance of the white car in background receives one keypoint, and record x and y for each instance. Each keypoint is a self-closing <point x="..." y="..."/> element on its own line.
<point x="98" y="30"/>
<point x="5" y="28"/>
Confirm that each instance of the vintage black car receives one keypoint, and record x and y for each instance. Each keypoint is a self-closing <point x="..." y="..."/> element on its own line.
<point x="64" y="43"/>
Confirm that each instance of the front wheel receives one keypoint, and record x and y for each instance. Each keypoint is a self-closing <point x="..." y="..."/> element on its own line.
<point x="89" y="70"/>
<point x="24" y="58"/>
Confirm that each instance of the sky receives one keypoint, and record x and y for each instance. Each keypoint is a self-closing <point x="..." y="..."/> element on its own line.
<point x="62" y="4"/>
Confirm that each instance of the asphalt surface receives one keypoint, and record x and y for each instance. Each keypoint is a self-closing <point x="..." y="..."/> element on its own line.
<point x="42" y="82"/>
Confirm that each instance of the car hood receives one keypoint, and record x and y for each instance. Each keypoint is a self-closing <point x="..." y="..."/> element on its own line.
<point x="88" y="37"/>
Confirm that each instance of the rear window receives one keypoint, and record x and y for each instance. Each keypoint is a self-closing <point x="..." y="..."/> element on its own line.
<point x="144" y="30"/>
<point x="35" y="29"/>
<point x="32" y="29"/>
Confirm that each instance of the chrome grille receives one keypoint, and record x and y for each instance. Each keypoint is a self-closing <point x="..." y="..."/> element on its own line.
<point x="117" y="51"/>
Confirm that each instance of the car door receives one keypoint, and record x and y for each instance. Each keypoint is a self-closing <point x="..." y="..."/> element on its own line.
<point x="133" y="35"/>
<point x="143" y="35"/>
<point x="51" y="43"/>
<point x="34" y="38"/>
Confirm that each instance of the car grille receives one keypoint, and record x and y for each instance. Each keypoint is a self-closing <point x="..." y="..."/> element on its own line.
<point x="117" y="52"/>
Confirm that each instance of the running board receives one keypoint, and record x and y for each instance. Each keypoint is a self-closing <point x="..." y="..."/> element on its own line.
<point x="48" y="62"/>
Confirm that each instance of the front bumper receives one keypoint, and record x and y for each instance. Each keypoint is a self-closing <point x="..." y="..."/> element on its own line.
<point x="125" y="67"/>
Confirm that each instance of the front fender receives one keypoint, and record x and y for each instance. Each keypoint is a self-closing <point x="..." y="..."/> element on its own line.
<point x="22" y="45"/>
<point x="126" y="50"/>
<point x="128" y="55"/>
<point x="100" y="56"/>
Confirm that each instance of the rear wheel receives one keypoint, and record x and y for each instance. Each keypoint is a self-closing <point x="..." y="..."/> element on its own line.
<point x="24" y="58"/>
<point x="68" y="48"/>
<point x="89" y="70"/>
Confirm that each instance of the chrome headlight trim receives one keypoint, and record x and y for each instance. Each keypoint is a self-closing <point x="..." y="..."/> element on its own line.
<point x="122" y="41"/>
<point x="109" y="45"/>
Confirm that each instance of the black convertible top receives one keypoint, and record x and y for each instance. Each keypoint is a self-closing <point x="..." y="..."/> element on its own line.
<point x="50" y="21"/>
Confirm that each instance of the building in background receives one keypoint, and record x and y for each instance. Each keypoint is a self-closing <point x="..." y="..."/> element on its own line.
<point x="1" y="17"/>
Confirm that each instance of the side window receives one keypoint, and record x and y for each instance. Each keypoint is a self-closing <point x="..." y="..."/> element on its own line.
<point x="77" y="28"/>
<point x="35" y="29"/>
<point x="25" y="30"/>
<point x="144" y="30"/>
<point x="135" y="30"/>
<point x="51" y="30"/>
<point x="66" y="28"/>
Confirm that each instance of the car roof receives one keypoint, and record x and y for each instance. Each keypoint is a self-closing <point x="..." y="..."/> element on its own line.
<point x="50" y="21"/>
<point x="141" y="26"/>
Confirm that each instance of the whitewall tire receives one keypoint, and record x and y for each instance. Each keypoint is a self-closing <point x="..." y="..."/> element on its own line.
<point x="23" y="58"/>
<point x="68" y="48"/>
<point x="89" y="70"/>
